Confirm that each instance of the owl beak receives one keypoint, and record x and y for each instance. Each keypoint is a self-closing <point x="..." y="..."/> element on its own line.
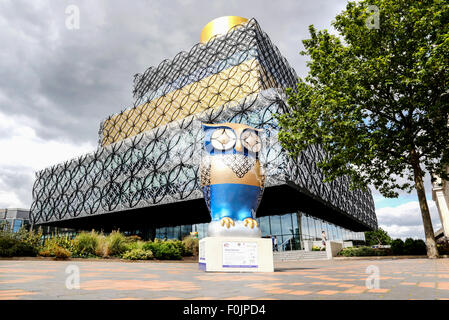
<point x="238" y="146"/>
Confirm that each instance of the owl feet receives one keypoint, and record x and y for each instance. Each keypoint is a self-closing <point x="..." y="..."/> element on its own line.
<point x="227" y="222"/>
<point x="250" y="222"/>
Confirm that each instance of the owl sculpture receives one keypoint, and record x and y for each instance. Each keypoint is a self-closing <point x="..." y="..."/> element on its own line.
<point x="232" y="178"/>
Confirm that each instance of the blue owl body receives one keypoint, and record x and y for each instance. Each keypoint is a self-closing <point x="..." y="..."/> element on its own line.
<point x="231" y="176"/>
<point x="232" y="200"/>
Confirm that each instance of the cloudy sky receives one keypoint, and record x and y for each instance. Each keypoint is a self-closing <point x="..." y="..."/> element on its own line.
<point x="58" y="83"/>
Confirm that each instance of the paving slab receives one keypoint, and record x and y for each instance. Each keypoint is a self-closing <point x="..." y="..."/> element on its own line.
<point x="358" y="279"/>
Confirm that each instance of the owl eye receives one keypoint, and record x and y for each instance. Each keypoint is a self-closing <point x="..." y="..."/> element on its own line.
<point x="251" y="141"/>
<point x="223" y="139"/>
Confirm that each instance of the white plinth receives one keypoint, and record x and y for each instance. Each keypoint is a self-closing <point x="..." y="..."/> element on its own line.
<point x="235" y="254"/>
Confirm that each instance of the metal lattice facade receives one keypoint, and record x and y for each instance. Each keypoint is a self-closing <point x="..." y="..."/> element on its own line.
<point x="150" y="154"/>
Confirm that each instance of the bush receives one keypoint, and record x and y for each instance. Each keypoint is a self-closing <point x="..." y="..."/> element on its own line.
<point x="102" y="249"/>
<point x="409" y="247"/>
<point x="443" y="248"/>
<point x="191" y="245"/>
<point x="133" y="238"/>
<point x="138" y="254"/>
<point x="61" y="241"/>
<point x="52" y="249"/>
<point x="116" y="242"/>
<point x="414" y="247"/>
<point x="178" y="244"/>
<point x="358" y="252"/>
<point x="85" y="244"/>
<point x="18" y="244"/>
<point x="61" y="253"/>
<point x="45" y="253"/>
<point x="134" y="245"/>
<point x="397" y="247"/>
<point x="169" y="251"/>
<point x="6" y="243"/>
<point x="164" y="250"/>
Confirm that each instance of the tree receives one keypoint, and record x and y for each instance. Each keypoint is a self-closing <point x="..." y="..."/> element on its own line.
<point x="377" y="237"/>
<point x="377" y="100"/>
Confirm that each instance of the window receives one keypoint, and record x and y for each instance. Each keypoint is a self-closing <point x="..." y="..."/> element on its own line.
<point x="275" y="222"/>
<point x="318" y="228"/>
<point x="286" y="224"/>
<point x="296" y="228"/>
<point x="16" y="226"/>
<point x="264" y="223"/>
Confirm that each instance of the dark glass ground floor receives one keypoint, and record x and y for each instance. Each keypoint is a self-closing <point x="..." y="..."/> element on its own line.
<point x="290" y="230"/>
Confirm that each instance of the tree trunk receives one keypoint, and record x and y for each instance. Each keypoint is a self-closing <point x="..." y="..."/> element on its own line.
<point x="432" y="251"/>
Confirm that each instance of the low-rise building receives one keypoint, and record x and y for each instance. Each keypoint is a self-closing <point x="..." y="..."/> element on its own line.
<point x="14" y="219"/>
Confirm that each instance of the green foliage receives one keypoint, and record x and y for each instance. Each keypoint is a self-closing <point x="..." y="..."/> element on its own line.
<point x="377" y="237"/>
<point x="192" y="245"/>
<point x="21" y="244"/>
<point x="116" y="243"/>
<point x="164" y="250"/>
<point x="133" y="238"/>
<point x="397" y="246"/>
<point x="86" y="243"/>
<point x="376" y="100"/>
<point x="409" y="247"/>
<point x="138" y="254"/>
<point x="59" y="247"/>
<point x="56" y="251"/>
<point x="414" y="247"/>
<point x="443" y="248"/>
<point x="363" y="252"/>
<point x="61" y="241"/>
<point x="376" y="96"/>
<point x="316" y="248"/>
<point x="11" y="247"/>
<point x="179" y="245"/>
<point x="30" y="237"/>
<point x="134" y="245"/>
<point x="61" y="253"/>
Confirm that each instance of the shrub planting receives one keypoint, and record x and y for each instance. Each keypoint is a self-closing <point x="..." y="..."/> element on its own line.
<point x="164" y="250"/>
<point x="116" y="242"/>
<point x="364" y="252"/>
<point x="85" y="244"/>
<point x="397" y="246"/>
<point x="21" y="244"/>
<point x="443" y="248"/>
<point x="138" y="254"/>
<point x="191" y="246"/>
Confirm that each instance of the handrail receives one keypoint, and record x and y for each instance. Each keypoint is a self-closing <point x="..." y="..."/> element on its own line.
<point x="283" y="243"/>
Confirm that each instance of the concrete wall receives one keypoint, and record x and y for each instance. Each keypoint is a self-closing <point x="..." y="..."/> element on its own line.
<point x="14" y="214"/>
<point x="440" y="194"/>
<point x="333" y="248"/>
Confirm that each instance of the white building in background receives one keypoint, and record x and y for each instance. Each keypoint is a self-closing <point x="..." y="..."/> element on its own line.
<point x="14" y="219"/>
<point x="440" y="194"/>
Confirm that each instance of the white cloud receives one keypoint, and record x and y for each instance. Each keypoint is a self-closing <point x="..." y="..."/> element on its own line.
<point x="25" y="149"/>
<point x="24" y="153"/>
<point x="405" y="220"/>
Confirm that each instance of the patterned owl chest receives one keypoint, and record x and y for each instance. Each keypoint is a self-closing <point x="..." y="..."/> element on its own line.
<point x="239" y="164"/>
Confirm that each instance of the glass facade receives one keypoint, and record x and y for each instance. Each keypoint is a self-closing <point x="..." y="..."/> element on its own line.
<point x="13" y="225"/>
<point x="290" y="229"/>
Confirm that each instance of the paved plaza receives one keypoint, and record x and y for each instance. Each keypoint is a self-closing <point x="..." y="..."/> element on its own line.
<point x="316" y="280"/>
